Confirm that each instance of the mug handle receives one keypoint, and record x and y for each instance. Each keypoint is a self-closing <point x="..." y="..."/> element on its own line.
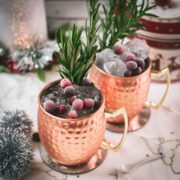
<point x="108" y="114"/>
<point x="164" y="72"/>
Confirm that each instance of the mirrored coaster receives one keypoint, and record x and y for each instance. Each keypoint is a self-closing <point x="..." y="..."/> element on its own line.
<point x="93" y="163"/>
<point x="134" y="124"/>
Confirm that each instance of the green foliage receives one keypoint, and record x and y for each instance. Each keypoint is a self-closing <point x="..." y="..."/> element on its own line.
<point x="122" y="20"/>
<point x="75" y="55"/>
<point x="4" y="54"/>
<point x="3" y="69"/>
<point x="41" y="74"/>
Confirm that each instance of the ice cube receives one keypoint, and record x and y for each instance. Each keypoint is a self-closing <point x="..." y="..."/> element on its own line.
<point x="105" y="56"/>
<point x="125" y="54"/>
<point x="120" y="68"/>
<point x="110" y="67"/>
<point x="110" y="62"/>
<point x="87" y="92"/>
<point x="115" y="67"/>
<point x="139" y="48"/>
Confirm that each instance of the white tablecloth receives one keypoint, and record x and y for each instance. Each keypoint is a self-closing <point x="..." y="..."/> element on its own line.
<point x="163" y="130"/>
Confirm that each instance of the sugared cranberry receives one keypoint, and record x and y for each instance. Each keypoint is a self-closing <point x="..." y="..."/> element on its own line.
<point x="131" y="57"/>
<point x="140" y="63"/>
<point x="71" y="99"/>
<point x="77" y="104"/>
<point x="137" y="71"/>
<point x="65" y="83"/>
<point x="69" y="91"/>
<point x="72" y="114"/>
<point x="62" y="108"/>
<point x="89" y="103"/>
<point x="128" y="73"/>
<point x="119" y="49"/>
<point x="131" y="65"/>
<point x="49" y="106"/>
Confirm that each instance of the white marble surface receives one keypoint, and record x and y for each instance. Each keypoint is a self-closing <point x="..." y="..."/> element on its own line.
<point x="20" y="92"/>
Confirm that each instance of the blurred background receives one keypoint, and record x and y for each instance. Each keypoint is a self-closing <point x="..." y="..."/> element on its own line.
<point x="60" y="12"/>
<point x="23" y="23"/>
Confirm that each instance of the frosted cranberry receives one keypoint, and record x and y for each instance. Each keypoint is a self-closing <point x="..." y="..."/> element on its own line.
<point x="131" y="57"/>
<point x="69" y="91"/>
<point x="65" y="82"/>
<point x="77" y="104"/>
<point x="89" y="103"/>
<point x="137" y="71"/>
<point x="49" y="106"/>
<point x="72" y="114"/>
<point x="71" y="99"/>
<point x="131" y="65"/>
<point x="62" y="108"/>
<point x="128" y="73"/>
<point x="119" y="49"/>
<point x="140" y="63"/>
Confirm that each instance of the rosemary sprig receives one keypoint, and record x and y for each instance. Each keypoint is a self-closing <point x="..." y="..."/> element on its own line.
<point x="121" y="20"/>
<point x="76" y="56"/>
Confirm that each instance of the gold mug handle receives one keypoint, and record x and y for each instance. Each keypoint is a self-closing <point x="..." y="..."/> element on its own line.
<point x="108" y="114"/>
<point x="164" y="72"/>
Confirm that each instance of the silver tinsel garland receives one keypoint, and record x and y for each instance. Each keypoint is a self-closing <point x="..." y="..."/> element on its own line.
<point x="15" y="154"/>
<point x="39" y="56"/>
<point x="36" y="58"/>
<point x="16" y="120"/>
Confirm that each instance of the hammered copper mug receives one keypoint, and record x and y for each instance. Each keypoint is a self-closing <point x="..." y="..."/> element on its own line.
<point x="72" y="142"/>
<point x="128" y="92"/>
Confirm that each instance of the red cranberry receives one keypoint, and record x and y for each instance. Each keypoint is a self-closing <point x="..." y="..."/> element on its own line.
<point x="77" y="104"/>
<point x="72" y="114"/>
<point x="69" y="91"/>
<point x="89" y="103"/>
<point x="49" y="106"/>
<point x="62" y="108"/>
<point x="137" y="71"/>
<point x="71" y="99"/>
<point x="140" y="63"/>
<point x="12" y="66"/>
<point x="128" y="73"/>
<point x="131" y="57"/>
<point x="131" y="65"/>
<point x="65" y="82"/>
<point x="119" y="49"/>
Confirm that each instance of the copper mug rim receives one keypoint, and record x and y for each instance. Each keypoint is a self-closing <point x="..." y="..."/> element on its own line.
<point x="122" y="77"/>
<point x="61" y="118"/>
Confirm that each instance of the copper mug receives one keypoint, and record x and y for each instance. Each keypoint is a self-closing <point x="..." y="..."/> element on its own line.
<point x="74" y="141"/>
<point x="128" y="92"/>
